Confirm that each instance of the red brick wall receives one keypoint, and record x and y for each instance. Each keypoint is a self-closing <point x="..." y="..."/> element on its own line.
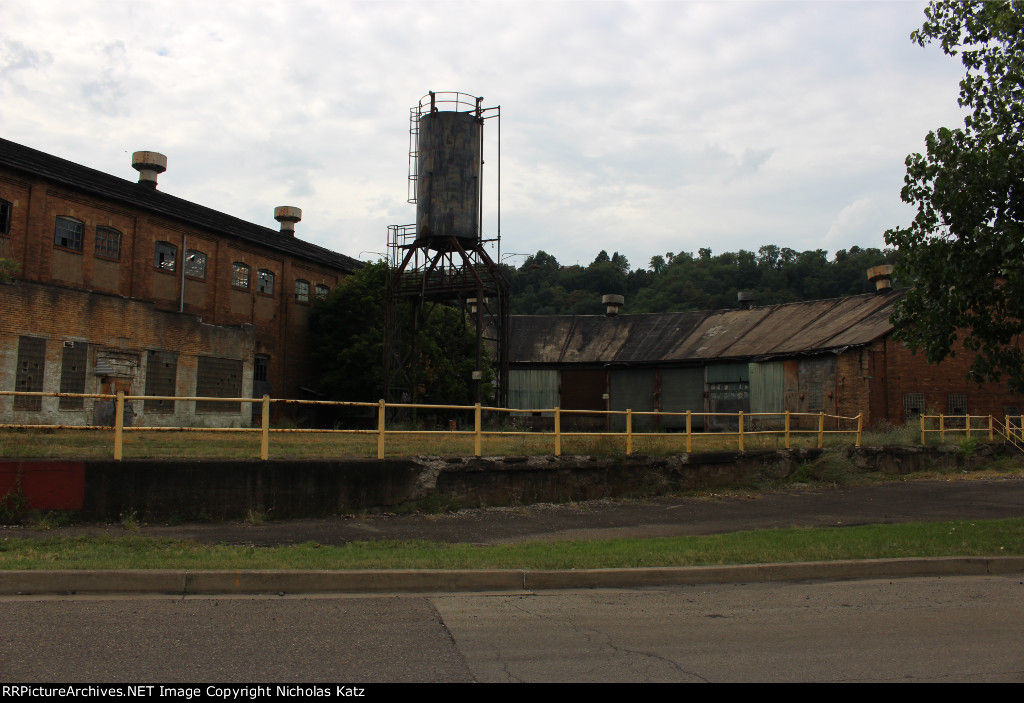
<point x="278" y="321"/>
<point x="911" y="373"/>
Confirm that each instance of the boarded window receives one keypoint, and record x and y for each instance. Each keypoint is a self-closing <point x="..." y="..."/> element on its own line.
<point x="195" y="264"/>
<point x="72" y="374"/>
<point x="29" y="377"/>
<point x="161" y="379"/>
<point x="165" y="256"/>
<point x="67" y="233"/>
<point x="913" y="406"/>
<point x="218" y="378"/>
<point x="108" y="243"/>
<point x="240" y="275"/>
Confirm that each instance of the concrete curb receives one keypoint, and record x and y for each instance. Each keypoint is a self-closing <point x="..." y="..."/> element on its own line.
<point x="180" y="582"/>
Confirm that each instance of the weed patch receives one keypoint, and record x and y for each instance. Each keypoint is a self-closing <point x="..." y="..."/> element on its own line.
<point x="13" y="504"/>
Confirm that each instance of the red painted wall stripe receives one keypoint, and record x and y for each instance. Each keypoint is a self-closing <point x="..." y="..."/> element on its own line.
<point x="48" y="485"/>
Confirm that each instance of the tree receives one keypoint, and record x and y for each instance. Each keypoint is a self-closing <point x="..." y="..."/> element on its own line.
<point x="964" y="251"/>
<point x="347" y="335"/>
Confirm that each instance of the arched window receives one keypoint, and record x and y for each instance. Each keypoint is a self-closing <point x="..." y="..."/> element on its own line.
<point x="265" y="282"/>
<point x="240" y="275"/>
<point x="108" y="243"/>
<point x="67" y="233"/>
<point x="165" y="256"/>
<point x="195" y="264"/>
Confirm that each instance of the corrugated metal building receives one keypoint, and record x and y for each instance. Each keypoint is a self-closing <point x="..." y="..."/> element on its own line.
<point x="836" y="356"/>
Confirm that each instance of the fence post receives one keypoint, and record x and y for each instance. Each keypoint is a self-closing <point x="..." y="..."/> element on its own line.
<point x="942" y="429"/>
<point x="991" y="436"/>
<point x="265" y="429"/>
<point x="558" y="432"/>
<point x="629" y="431"/>
<point x="922" y="430"/>
<point x="860" y="426"/>
<point x="118" y="425"/>
<point x="380" y="429"/>
<point x="821" y="429"/>
<point x="476" y="430"/>
<point x="741" y="430"/>
<point x="689" y="431"/>
<point x="787" y="429"/>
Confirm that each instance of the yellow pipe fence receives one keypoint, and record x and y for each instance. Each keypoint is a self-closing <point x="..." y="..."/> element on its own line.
<point x="748" y="425"/>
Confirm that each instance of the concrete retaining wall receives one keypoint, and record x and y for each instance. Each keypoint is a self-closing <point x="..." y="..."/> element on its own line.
<point x="191" y="490"/>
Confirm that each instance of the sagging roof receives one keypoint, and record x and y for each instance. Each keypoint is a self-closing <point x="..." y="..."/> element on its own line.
<point x="790" y="329"/>
<point x="57" y="170"/>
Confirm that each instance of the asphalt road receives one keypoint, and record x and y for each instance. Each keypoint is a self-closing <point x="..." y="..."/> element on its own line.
<point x="929" y="629"/>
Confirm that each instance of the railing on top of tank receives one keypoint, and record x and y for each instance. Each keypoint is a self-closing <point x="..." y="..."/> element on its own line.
<point x="448" y="101"/>
<point x="542" y="430"/>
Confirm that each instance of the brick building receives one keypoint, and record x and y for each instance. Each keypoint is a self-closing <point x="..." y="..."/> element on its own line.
<point x="835" y="356"/>
<point x="119" y="286"/>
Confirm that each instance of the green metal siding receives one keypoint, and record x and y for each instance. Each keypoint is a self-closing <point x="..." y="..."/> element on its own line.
<point x="632" y="389"/>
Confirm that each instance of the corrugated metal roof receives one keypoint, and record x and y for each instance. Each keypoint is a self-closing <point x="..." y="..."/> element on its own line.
<point x="67" y="173"/>
<point x="781" y="330"/>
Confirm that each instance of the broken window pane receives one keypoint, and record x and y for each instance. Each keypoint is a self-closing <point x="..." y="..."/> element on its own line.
<point x="195" y="264"/>
<point x="265" y="282"/>
<point x="165" y="256"/>
<point x="240" y="275"/>
<point x="68" y="232"/>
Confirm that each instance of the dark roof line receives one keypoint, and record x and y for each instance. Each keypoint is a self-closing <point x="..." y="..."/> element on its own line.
<point x="90" y="180"/>
<point x="776" y="331"/>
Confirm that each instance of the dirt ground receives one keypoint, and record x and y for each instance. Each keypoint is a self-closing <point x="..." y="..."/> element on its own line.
<point x="910" y="501"/>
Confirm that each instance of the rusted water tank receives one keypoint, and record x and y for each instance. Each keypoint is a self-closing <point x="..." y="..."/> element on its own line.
<point x="448" y="187"/>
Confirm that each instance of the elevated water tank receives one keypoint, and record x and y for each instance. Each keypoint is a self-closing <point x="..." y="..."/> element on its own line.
<point x="449" y="156"/>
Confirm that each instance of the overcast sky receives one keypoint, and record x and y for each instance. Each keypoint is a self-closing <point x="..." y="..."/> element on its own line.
<point x="640" y="127"/>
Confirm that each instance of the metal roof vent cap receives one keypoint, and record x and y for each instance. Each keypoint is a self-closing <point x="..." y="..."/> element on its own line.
<point x="881" y="276"/>
<point x="612" y="303"/>
<point x="745" y="299"/>
<point x="149" y="164"/>
<point x="287" y="215"/>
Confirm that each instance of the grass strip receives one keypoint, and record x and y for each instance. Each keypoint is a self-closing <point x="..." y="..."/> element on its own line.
<point x="961" y="538"/>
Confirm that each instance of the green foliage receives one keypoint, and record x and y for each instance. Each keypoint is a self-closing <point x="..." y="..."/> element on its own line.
<point x="966" y="448"/>
<point x="977" y="538"/>
<point x="13" y="504"/>
<point x="679" y="282"/>
<point x="347" y="331"/>
<point x="8" y="269"/>
<point x="964" y="250"/>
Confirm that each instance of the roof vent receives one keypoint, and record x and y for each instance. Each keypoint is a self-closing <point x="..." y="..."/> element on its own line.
<point x="881" y="276"/>
<point x="287" y="216"/>
<point x="745" y="299"/>
<point x="149" y="164"/>
<point x="612" y="303"/>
